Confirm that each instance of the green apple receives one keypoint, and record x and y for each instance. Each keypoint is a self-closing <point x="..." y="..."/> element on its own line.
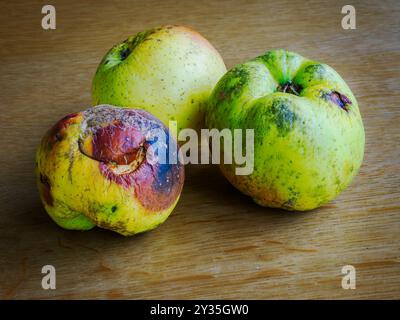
<point x="169" y="71"/>
<point x="308" y="132"/>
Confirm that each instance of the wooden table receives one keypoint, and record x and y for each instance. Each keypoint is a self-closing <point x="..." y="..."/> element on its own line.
<point x="217" y="243"/>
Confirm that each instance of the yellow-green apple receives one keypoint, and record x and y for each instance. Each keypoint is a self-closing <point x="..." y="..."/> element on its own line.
<point x="93" y="168"/>
<point x="308" y="131"/>
<point x="169" y="71"/>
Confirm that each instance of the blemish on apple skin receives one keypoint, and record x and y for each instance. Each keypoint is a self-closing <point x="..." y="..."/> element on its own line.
<point x="289" y="204"/>
<point x="58" y="136"/>
<point x="56" y="133"/>
<point x="232" y="87"/>
<point x="282" y="116"/>
<point x="71" y="163"/>
<point x="118" y="142"/>
<point x="339" y="99"/>
<point x="46" y="190"/>
<point x="316" y="71"/>
<point x="125" y="53"/>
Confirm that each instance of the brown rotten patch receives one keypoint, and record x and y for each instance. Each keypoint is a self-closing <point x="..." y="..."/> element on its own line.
<point x="339" y="99"/>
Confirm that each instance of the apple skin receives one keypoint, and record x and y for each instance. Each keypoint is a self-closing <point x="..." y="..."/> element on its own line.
<point x="308" y="132"/>
<point x="91" y="169"/>
<point x="169" y="71"/>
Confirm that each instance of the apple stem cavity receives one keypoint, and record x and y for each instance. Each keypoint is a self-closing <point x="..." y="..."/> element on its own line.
<point x="290" y="87"/>
<point x="131" y="43"/>
<point x="125" y="53"/>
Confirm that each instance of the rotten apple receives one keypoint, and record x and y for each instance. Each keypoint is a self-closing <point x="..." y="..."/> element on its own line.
<point x="93" y="168"/>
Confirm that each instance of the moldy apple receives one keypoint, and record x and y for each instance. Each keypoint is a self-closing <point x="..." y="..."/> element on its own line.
<point x="92" y="169"/>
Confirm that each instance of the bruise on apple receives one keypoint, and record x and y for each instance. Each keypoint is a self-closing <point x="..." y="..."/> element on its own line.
<point x="57" y="132"/>
<point x="54" y="135"/>
<point x="46" y="190"/>
<point x="338" y="98"/>
<point x="116" y="138"/>
<point x="115" y="144"/>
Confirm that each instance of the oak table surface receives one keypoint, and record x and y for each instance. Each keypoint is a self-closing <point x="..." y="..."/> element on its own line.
<point x="217" y="243"/>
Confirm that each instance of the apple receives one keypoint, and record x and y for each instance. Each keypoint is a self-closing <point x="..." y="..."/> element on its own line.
<point x="93" y="169"/>
<point x="308" y="132"/>
<point x="169" y="71"/>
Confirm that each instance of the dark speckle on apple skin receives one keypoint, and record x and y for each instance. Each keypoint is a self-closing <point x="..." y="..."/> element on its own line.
<point x="282" y="116"/>
<point x="316" y="70"/>
<point x="233" y="86"/>
<point x="279" y="114"/>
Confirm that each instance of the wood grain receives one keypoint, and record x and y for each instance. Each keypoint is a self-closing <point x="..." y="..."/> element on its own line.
<point x="217" y="243"/>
